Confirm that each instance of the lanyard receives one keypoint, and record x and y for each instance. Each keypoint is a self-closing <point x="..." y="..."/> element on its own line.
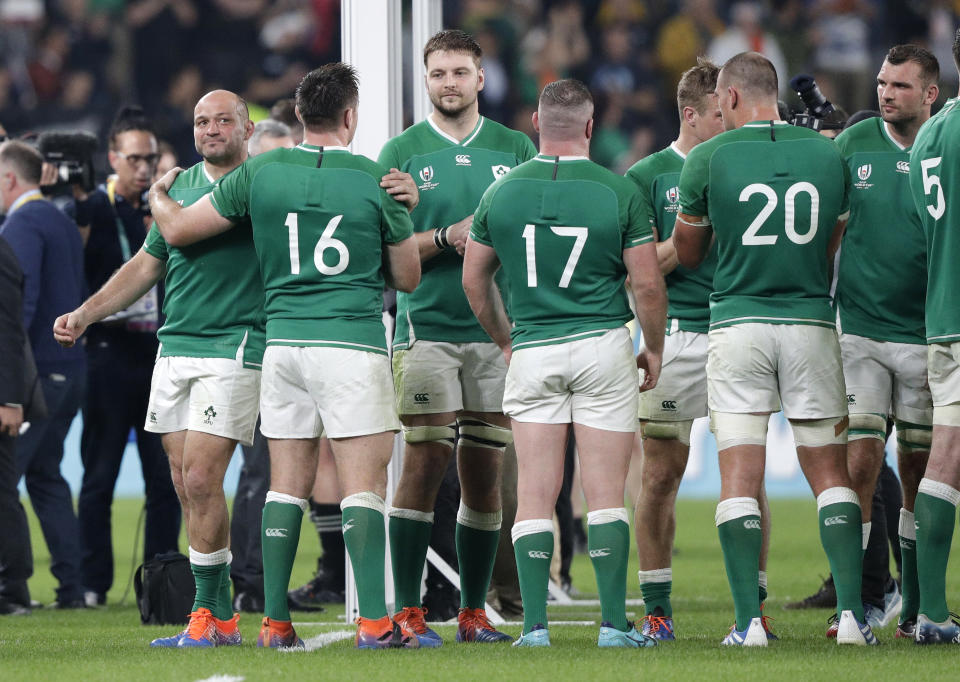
<point x="121" y="231"/>
<point x="26" y="197"/>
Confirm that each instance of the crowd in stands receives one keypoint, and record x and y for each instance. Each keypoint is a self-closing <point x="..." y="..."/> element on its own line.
<point x="68" y="64"/>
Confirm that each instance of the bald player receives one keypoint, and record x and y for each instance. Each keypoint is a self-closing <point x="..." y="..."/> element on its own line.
<point x="775" y="197"/>
<point x="205" y="391"/>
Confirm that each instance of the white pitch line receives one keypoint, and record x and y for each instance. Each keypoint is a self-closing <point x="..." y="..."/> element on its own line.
<point x="322" y="640"/>
<point x="223" y="678"/>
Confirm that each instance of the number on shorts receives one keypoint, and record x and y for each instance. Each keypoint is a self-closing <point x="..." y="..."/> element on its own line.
<point x="326" y="241"/>
<point x="751" y="236"/>
<point x="578" y="233"/>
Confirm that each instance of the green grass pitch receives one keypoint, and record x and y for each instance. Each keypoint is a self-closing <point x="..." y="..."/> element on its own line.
<point x="110" y="644"/>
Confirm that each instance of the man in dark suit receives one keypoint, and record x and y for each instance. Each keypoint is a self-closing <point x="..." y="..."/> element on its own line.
<point x="16" y="560"/>
<point x="49" y="250"/>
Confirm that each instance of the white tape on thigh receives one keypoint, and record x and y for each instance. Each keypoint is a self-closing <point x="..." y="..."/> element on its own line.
<point x="946" y="415"/>
<point x="912" y="438"/>
<point x="477" y="433"/>
<point x="663" y="430"/>
<point x="733" y="429"/>
<point x="820" y="432"/>
<point x="441" y="435"/>
<point x="867" y="426"/>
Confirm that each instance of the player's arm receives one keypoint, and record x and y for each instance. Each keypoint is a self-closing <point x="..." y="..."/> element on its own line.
<point x="127" y="285"/>
<point x="836" y="237"/>
<point x="433" y="242"/>
<point x="179" y="225"/>
<point x="650" y="294"/>
<point x="691" y="239"/>
<point x="401" y="265"/>
<point x="667" y="256"/>
<point x="480" y="263"/>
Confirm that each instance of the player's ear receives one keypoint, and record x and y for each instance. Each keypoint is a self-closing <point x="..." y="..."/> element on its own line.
<point x="589" y="130"/>
<point x="933" y="91"/>
<point x="296" y="111"/>
<point x="536" y="121"/>
<point x="247" y="129"/>
<point x="480" y="78"/>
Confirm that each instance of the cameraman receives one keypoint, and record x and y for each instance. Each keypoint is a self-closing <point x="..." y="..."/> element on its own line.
<point x="50" y="253"/>
<point x="121" y="351"/>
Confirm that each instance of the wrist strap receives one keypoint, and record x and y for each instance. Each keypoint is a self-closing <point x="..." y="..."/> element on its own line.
<point x="440" y="238"/>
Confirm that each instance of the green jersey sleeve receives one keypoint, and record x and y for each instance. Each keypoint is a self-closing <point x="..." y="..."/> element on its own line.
<point x="479" y="230"/>
<point x="693" y="182"/>
<point x="155" y="244"/>
<point x="231" y="196"/>
<point x="390" y="156"/>
<point x="637" y="222"/>
<point x="395" y="223"/>
<point x="527" y="151"/>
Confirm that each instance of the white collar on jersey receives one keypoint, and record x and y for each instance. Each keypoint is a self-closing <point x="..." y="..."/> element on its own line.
<point x="676" y="150"/>
<point x="450" y="138"/>
<point x="764" y="124"/>
<point x="546" y="158"/>
<point x="886" y="131"/>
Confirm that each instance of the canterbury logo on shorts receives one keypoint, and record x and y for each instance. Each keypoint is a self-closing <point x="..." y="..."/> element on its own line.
<point x="275" y="532"/>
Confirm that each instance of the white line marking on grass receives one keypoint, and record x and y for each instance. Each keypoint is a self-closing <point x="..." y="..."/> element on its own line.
<point x="323" y="639"/>
<point x="223" y="678"/>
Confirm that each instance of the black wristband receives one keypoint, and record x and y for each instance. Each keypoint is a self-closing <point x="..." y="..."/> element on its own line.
<point x="440" y="238"/>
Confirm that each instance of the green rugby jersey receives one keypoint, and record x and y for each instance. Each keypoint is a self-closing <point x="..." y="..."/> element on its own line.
<point x="658" y="177"/>
<point x="214" y="296"/>
<point x="451" y="177"/>
<point x="882" y="283"/>
<point x="320" y="222"/>
<point x="934" y="181"/>
<point x="559" y="226"/>
<point x="773" y="193"/>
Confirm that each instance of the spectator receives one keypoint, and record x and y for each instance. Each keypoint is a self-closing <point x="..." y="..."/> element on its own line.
<point x="746" y="34"/>
<point x="50" y="252"/>
<point x="269" y="134"/>
<point x="121" y="351"/>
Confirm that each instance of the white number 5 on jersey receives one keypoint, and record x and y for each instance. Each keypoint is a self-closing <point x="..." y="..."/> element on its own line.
<point x="929" y="182"/>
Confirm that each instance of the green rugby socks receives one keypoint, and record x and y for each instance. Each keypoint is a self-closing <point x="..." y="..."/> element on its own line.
<point x="477" y="537"/>
<point x="533" y="549"/>
<point x="935" y="512"/>
<point x="409" y="538"/>
<point x="738" y="524"/>
<point x="841" y="534"/>
<point x="280" y="534"/>
<point x="366" y="540"/>
<point x="608" y="539"/>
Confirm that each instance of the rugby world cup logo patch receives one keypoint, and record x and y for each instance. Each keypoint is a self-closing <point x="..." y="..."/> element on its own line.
<point x="863" y="172"/>
<point x="673" y="199"/>
<point x="426" y="178"/>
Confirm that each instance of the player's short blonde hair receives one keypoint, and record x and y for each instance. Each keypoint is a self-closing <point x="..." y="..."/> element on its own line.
<point x="695" y="84"/>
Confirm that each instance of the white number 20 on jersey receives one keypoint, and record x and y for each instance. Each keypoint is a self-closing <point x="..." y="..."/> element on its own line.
<point x="579" y="233"/>
<point x="751" y="236"/>
<point x="325" y="242"/>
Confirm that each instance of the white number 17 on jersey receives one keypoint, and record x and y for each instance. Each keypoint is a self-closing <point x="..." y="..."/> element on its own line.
<point x="579" y="233"/>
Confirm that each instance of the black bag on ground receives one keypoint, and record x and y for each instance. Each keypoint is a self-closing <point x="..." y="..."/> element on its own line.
<point x="165" y="590"/>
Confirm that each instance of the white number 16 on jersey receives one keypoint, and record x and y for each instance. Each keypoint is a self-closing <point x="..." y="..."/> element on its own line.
<point x="325" y="242"/>
<point x="580" y="233"/>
